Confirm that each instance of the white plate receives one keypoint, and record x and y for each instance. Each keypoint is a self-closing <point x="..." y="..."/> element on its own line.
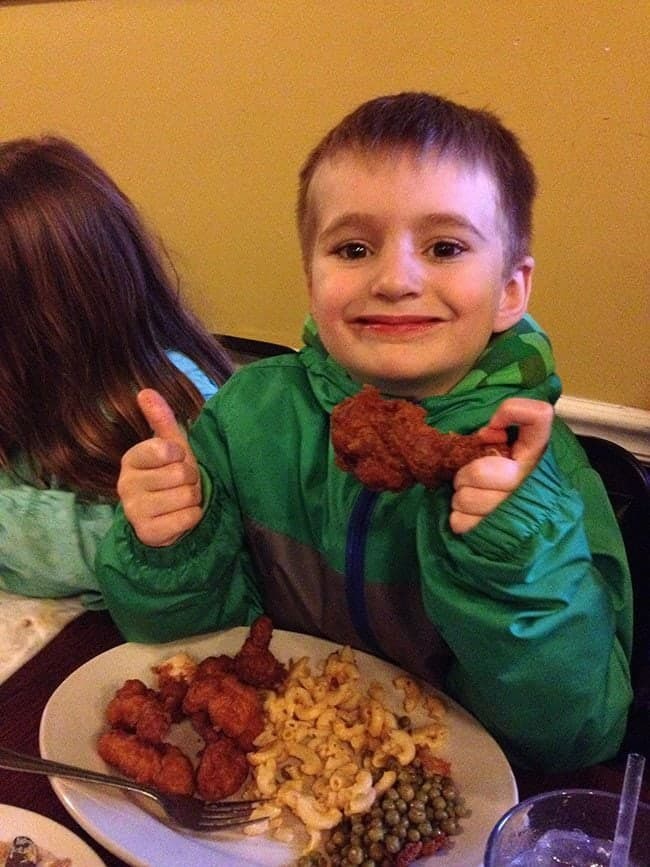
<point x="73" y="718"/>
<point x="47" y="834"/>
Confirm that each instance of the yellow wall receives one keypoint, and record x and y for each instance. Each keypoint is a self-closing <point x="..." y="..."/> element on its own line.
<point x="204" y="109"/>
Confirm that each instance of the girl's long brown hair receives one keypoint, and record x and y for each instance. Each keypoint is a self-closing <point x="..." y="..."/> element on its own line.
<point x="88" y="307"/>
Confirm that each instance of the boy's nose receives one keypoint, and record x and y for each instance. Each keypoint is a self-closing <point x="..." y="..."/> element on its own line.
<point x="398" y="273"/>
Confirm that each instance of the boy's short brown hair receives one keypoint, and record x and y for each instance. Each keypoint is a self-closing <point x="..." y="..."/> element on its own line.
<point x="424" y="122"/>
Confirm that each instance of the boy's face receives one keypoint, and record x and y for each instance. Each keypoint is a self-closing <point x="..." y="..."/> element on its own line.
<point x="406" y="274"/>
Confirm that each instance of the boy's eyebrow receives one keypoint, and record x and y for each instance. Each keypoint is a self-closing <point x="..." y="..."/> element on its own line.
<point x="354" y="220"/>
<point x="452" y="220"/>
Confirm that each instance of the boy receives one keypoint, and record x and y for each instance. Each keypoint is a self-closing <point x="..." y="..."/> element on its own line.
<point x="509" y="588"/>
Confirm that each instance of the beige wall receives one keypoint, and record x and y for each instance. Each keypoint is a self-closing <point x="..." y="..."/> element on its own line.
<point x="204" y="109"/>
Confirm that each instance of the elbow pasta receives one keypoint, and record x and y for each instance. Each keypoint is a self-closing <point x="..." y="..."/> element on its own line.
<point x="330" y="747"/>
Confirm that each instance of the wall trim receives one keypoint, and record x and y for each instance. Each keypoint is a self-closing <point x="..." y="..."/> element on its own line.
<point x="626" y="425"/>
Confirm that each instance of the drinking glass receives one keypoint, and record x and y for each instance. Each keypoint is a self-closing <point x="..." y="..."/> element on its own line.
<point x="565" y="828"/>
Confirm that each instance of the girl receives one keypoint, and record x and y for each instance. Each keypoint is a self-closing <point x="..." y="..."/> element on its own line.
<point x="89" y="314"/>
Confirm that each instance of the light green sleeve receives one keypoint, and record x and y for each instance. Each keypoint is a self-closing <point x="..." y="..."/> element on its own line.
<point x="48" y="541"/>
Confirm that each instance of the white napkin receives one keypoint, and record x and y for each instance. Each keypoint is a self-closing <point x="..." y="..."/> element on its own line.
<point x="27" y="624"/>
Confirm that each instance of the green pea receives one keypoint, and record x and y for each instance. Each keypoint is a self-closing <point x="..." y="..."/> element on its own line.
<point x="375" y="834"/>
<point x="393" y="844"/>
<point x="355" y="855"/>
<point x="391" y="817"/>
<point x="449" y="826"/>
<point x="417" y="815"/>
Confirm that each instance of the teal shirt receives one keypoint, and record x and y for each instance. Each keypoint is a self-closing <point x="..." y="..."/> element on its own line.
<point x="49" y="536"/>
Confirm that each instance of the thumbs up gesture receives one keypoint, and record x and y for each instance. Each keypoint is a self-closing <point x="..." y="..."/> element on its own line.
<point x="159" y="483"/>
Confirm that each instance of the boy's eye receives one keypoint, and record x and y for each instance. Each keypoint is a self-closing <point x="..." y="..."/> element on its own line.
<point x="447" y="249"/>
<point x="353" y="250"/>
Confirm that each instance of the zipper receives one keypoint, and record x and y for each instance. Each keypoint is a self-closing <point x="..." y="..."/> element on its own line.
<point x="355" y="563"/>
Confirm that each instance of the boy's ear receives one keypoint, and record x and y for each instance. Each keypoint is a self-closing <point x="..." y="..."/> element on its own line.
<point x="515" y="294"/>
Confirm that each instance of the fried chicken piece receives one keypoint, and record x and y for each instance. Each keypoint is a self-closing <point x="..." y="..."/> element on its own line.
<point x="214" y="665"/>
<point x="199" y="693"/>
<point x="174" y="676"/>
<point x="163" y="766"/>
<point x="137" y="708"/>
<point x="255" y="664"/>
<point x="233" y="707"/>
<point x="388" y="445"/>
<point x="236" y="708"/>
<point x="222" y="771"/>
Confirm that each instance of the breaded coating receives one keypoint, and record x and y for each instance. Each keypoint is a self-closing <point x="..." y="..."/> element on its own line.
<point x="388" y="445"/>
<point x="223" y="769"/>
<point x="233" y="707"/>
<point x="174" y="676"/>
<point x="213" y="665"/>
<point x="137" y="708"/>
<point x="160" y="765"/>
<point x="255" y="664"/>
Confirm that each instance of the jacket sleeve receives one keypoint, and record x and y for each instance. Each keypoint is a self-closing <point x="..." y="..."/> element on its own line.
<point x="48" y="541"/>
<point x="203" y="582"/>
<point x="535" y="604"/>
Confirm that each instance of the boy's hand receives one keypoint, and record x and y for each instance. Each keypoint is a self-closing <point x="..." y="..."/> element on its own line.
<point x="480" y="486"/>
<point x="159" y="483"/>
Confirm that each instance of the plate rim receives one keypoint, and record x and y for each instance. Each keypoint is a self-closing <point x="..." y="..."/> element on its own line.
<point x="65" y="790"/>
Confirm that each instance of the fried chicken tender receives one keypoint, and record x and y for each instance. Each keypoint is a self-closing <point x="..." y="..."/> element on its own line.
<point x="163" y="766"/>
<point x="236" y="708"/>
<point x="388" y="445"/>
<point x="255" y="664"/>
<point x="214" y="665"/>
<point x="137" y="708"/>
<point x="222" y="771"/>
<point x="233" y="708"/>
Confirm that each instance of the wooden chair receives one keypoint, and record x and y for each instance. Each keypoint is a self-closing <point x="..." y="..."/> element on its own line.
<point x="627" y="482"/>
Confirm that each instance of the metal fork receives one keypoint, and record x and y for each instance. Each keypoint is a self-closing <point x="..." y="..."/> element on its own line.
<point x="184" y="810"/>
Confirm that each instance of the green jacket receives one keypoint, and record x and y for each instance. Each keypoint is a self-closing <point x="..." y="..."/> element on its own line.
<point x="525" y="620"/>
<point x="49" y="535"/>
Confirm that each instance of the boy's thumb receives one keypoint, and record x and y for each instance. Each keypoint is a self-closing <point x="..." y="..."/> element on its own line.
<point x="160" y="416"/>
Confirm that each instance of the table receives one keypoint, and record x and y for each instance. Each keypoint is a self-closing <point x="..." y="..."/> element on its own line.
<point x="24" y="696"/>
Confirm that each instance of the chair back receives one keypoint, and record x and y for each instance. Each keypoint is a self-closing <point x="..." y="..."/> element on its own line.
<point x="243" y="350"/>
<point x="627" y="482"/>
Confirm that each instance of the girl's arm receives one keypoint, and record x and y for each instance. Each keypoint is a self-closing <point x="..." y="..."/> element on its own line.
<point x="48" y="541"/>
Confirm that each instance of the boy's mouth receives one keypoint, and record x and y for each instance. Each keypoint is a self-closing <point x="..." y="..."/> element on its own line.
<point x="397" y="324"/>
